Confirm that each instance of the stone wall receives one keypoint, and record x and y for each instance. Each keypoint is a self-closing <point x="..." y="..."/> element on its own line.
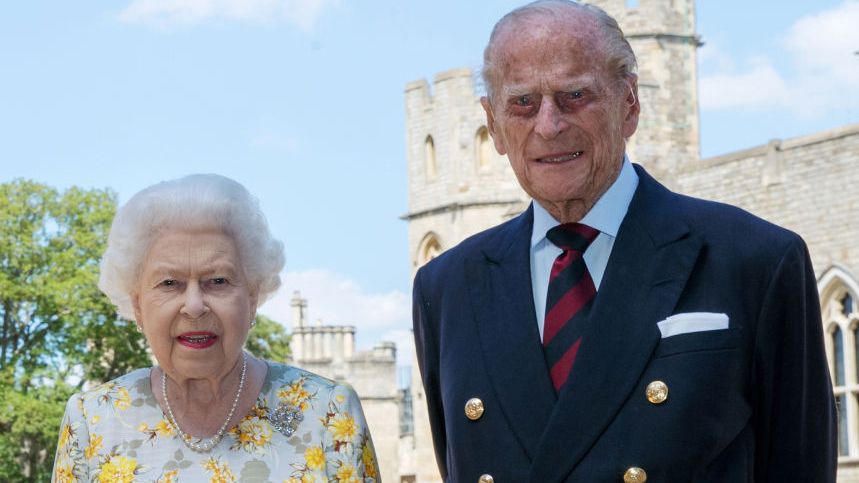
<point x="807" y="184"/>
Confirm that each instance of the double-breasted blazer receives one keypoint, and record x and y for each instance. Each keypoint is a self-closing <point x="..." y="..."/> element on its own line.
<point x="750" y="402"/>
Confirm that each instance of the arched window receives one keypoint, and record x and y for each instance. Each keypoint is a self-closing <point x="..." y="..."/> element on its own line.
<point x="847" y="304"/>
<point x="429" y="158"/>
<point x="838" y="356"/>
<point x="483" y="148"/>
<point x="838" y="290"/>
<point x="428" y="249"/>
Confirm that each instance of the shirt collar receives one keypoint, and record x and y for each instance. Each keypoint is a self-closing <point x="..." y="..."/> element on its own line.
<point x="606" y="215"/>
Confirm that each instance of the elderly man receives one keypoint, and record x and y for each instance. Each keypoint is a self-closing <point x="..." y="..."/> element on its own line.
<point x="615" y="331"/>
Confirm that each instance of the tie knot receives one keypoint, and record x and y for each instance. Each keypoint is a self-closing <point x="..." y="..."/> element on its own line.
<point x="572" y="236"/>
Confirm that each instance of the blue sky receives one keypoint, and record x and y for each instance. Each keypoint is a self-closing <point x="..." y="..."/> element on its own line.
<point x="302" y="101"/>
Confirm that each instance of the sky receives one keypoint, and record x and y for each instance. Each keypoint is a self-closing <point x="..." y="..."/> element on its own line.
<point x="302" y="102"/>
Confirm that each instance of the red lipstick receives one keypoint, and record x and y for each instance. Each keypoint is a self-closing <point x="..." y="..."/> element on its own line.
<point x="197" y="340"/>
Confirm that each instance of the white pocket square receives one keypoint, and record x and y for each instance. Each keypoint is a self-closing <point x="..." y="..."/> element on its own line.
<point x="692" y="322"/>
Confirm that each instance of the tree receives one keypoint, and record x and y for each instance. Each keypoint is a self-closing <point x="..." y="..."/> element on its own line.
<point x="57" y="330"/>
<point x="53" y="314"/>
<point x="268" y="339"/>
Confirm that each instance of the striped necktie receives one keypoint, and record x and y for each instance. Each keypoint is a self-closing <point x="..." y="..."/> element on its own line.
<point x="569" y="299"/>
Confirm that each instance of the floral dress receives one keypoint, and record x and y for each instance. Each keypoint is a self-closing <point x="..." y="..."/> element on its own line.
<point x="116" y="432"/>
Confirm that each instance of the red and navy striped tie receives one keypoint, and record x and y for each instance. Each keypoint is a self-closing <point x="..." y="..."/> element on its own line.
<point x="569" y="299"/>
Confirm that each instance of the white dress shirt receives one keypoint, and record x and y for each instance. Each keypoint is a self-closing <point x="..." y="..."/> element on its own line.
<point x="606" y="216"/>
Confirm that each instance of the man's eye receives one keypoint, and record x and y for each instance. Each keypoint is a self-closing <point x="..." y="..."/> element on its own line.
<point x="219" y="281"/>
<point x="522" y="101"/>
<point x="568" y="99"/>
<point x="168" y="283"/>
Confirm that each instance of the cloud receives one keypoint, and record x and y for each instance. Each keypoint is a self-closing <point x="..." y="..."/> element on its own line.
<point x="825" y="43"/>
<point x="171" y="13"/>
<point x="760" y="86"/>
<point x="338" y="300"/>
<point x="824" y="69"/>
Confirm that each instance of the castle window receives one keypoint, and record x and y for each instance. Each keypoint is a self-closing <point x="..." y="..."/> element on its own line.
<point x="631" y="3"/>
<point x="428" y="249"/>
<point x="483" y="148"/>
<point x="838" y="356"/>
<point x="847" y="305"/>
<point x="429" y="158"/>
<point x="837" y="291"/>
<point x="843" y="436"/>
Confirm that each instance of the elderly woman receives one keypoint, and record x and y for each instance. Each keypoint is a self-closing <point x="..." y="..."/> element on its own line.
<point x="190" y="261"/>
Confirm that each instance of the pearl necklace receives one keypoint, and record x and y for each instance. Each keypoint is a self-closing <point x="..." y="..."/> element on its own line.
<point x="201" y="445"/>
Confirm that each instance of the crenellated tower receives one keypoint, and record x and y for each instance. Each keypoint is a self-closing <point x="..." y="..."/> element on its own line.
<point x="662" y="35"/>
<point x="458" y="183"/>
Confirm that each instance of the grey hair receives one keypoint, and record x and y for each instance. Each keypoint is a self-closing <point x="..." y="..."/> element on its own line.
<point x="618" y="53"/>
<point x="195" y="201"/>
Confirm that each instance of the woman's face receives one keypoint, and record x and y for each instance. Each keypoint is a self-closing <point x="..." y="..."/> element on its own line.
<point x="194" y="303"/>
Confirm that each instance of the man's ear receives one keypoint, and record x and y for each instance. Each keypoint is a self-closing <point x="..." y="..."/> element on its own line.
<point x="633" y="105"/>
<point x="490" y="126"/>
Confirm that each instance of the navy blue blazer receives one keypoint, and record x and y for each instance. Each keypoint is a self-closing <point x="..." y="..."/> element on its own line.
<point x="752" y="402"/>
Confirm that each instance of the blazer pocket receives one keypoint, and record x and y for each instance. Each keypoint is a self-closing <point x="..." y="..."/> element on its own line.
<point x="710" y="340"/>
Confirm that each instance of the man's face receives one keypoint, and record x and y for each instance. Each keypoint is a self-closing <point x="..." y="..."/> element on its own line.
<point x="558" y="114"/>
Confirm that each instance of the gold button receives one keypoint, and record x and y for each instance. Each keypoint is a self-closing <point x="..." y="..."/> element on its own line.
<point x="634" y="475"/>
<point x="657" y="392"/>
<point x="473" y="411"/>
<point x="486" y="479"/>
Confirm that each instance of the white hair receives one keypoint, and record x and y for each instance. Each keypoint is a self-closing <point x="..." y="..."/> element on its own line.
<point x="195" y="201"/>
<point x="620" y="59"/>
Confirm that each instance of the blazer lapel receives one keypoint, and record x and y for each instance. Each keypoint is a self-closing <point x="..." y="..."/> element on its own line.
<point x="650" y="262"/>
<point x="499" y="282"/>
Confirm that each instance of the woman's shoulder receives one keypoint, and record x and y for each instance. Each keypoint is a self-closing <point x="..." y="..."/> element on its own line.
<point x="119" y="392"/>
<point x="287" y="377"/>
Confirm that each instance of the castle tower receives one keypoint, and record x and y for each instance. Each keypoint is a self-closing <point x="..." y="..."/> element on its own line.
<point x="458" y="184"/>
<point x="662" y="35"/>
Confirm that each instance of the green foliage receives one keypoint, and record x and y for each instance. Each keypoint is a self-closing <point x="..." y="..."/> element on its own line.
<point x="51" y="309"/>
<point x="268" y="340"/>
<point x="28" y="431"/>
<point x="55" y="325"/>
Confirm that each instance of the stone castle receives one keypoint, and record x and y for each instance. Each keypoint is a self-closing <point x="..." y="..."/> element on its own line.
<point x="459" y="185"/>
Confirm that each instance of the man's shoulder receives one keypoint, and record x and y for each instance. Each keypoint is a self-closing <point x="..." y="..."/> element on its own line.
<point x="713" y="220"/>
<point x="745" y="234"/>
<point x="479" y="244"/>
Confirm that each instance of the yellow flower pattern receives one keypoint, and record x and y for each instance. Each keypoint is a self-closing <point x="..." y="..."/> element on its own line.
<point x="66" y="434"/>
<point x="122" y="400"/>
<point x="63" y="474"/>
<point x="117" y="469"/>
<point x="118" y="432"/>
<point x="315" y="457"/>
<point x="252" y="434"/>
<point x="343" y="427"/>
<point x="368" y="457"/>
<point x="168" y="477"/>
<point x="95" y="444"/>
<point x="295" y="394"/>
<point x="347" y="474"/>
<point x="220" y="472"/>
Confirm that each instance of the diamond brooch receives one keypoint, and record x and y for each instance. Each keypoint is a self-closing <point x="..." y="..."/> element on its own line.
<point x="286" y="419"/>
